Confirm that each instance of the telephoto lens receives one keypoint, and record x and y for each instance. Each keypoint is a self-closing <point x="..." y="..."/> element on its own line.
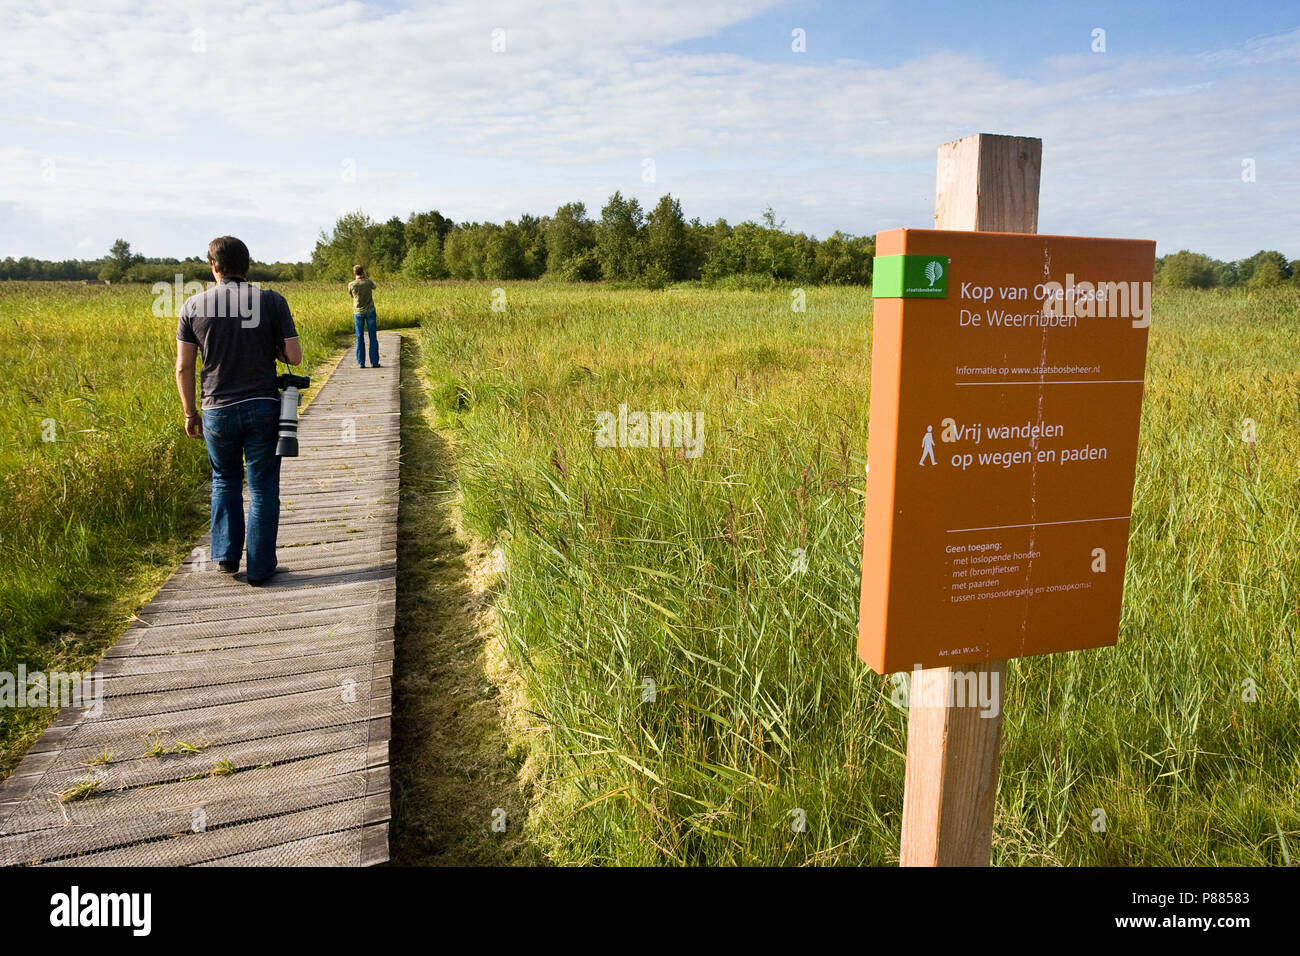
<point x="291" y="385"/>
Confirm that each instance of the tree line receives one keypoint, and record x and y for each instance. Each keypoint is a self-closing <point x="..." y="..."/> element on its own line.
<point x="625" y="244"/>
<point x="1192" y="270"/>
<point x="123" y="265"/>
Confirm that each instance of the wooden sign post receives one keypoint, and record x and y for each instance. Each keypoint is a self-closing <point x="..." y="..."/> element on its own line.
<point x="983" y="184"/>
<point x="1007" y="373"/>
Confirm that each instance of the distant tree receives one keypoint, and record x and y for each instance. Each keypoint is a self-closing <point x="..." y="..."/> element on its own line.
<point x="1225" y="273"/>
<point x="1265" y="268"/>
<point x="1186" y="270"/>
<point x="620" y="240"/>
<point x="195" y="270"/>
<point x="709" y="238"/>
<point x="120" y="258"/>
<point x="420" y="226"/>
<point x="477" y="238"/>
<point x="388" y="247"/>
<point x="570" y="235"/>
<point x="1266" y="274"/>
<point x="121" y="252"/>
<point x="425" y="261"/>
<point x="582" y="268"/>
<point x="349" y="244"/>
<point x="155" y="272"/>
<point x="532" y="237"/>
<point x="729" y="254"/>
<point x="462" y="253"/>
<point x="844" y="260"/>
<point x="503" y="252"/>
<point x="670" y="249"/>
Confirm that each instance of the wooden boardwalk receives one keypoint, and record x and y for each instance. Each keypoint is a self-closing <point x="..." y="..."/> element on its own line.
<point x="272" y="703"/>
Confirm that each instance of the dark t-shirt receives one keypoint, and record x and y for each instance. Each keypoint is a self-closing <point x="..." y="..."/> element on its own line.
<point x="238" y="329"/>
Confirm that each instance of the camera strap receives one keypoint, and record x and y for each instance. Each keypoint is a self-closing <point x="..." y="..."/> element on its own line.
<point x="277" y="333"/>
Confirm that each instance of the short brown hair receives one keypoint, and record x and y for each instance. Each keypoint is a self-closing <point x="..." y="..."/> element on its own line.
<point x="229" y="255"/>
<point x="358" y="270"/>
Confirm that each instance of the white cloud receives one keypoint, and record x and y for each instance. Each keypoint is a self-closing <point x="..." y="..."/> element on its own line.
<point x="253" y="128"/>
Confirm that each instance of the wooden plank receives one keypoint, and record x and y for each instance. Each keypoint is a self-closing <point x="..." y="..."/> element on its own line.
<point x="333" y="500"/>
<point x="371" y="739"/>
<point x="138" y="773"/>
<point x="988" y="183"/>
<point x="191" y="691"/>
<point x="984" y="183"/>
<point x="147" y="674"/>
<point x="189" y="849"/>
<point x="328" y="849"/>
<point x="220" y="722"/>
<point x="274" y="642"/>
<point x="374" y="845"/>
<point x="322" y="585"/>
<point x="348" y="519"/>
<point x="360" y="613"/>
<point x="359" y="594"/>
<point x="140" y="815"/>
<point x="306" y="561"/>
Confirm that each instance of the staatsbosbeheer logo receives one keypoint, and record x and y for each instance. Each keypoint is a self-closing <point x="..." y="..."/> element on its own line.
<point x="910" y="276"/>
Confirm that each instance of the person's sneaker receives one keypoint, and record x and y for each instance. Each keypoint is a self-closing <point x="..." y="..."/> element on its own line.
<point x="376" y="365"/>
<point x="258" y="582"/>
<point x="230" y="567"/>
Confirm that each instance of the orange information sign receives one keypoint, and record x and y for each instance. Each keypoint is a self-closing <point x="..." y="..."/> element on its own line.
<point x="1006" y="390"/>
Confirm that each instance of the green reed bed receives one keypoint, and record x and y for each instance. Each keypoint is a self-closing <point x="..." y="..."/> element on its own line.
<point x="700" y="696"/>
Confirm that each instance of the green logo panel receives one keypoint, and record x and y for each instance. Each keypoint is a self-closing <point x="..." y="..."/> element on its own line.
<point x="910" y="277"/>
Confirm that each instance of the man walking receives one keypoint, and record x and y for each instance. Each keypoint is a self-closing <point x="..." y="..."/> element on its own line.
<point x="927" y="445"/>
<point x="364" y="319"/>
<point x="240" y="330"/>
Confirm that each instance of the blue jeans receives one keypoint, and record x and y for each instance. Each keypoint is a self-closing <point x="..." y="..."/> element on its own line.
<point x="235" y="434"/>
<point x="365" y="322"/>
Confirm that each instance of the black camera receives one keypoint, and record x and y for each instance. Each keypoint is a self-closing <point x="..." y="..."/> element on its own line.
<point x="291" y="386"/>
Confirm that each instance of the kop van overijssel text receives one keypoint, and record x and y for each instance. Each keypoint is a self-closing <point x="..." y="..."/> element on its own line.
<point x="1062" y="304"/>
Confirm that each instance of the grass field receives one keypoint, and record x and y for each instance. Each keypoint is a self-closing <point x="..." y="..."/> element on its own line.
<point x="692" y="691"/>
<point x="624" y="565"/>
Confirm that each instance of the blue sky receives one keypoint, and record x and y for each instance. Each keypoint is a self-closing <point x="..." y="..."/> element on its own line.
<point x="169" y="124"/>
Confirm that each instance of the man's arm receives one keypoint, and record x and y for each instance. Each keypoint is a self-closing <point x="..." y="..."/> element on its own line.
<point x="290" y="348"/>
<point x="186" y="353"/>
<point x="291" y="354"/>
